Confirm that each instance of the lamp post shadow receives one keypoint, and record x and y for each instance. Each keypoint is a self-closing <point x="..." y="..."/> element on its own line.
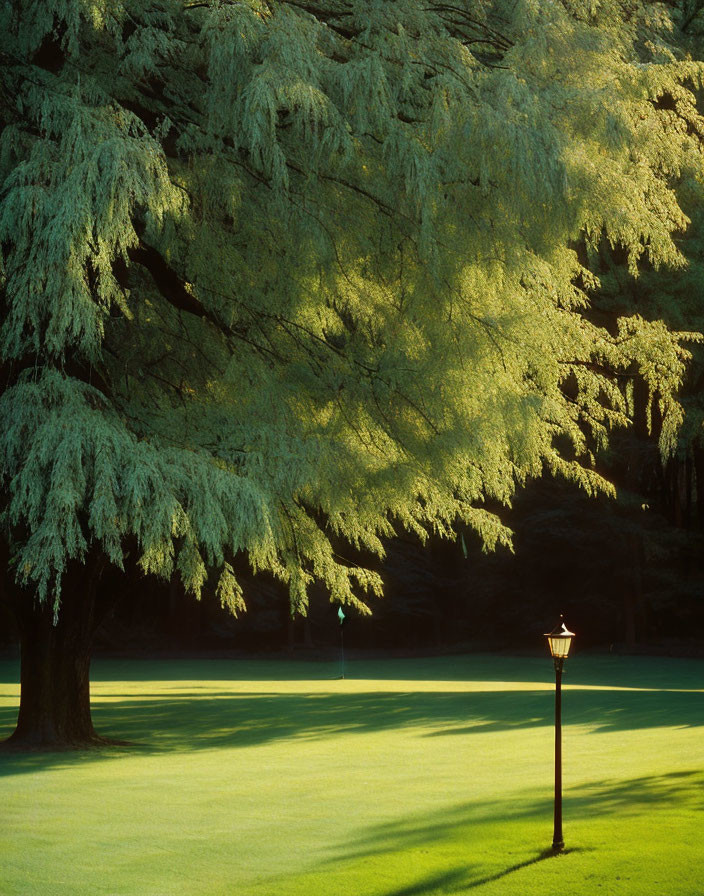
<point x="456" y="880"/>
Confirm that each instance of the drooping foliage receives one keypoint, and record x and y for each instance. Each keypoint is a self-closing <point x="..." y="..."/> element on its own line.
<point x="281" y="275"/>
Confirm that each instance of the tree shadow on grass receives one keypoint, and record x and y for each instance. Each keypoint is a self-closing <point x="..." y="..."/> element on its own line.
<point x="681" y="788"/>
<point x="189" y="720"/>
<point x="461" y="824"/>
<point x="484" y="830"/>
<point x="245" y="718"/>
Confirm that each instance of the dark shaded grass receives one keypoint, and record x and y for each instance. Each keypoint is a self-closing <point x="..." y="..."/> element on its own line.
<point x="596" y="670"/>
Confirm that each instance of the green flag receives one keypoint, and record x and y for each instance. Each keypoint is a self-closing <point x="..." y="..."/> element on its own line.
<point x="341" y="615"/>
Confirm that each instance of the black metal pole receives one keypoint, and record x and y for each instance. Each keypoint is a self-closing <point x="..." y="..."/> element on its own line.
<point x="558" y="843"/>
<point x="342" y="651"/>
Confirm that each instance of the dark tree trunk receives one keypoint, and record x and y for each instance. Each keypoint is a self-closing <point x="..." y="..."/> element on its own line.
<point x="633" y="592"/>
<point x="629" y="611"/>
<point x="698" y="458"/>
<point x="55" y="665"/>
<point x="307" y="633"/>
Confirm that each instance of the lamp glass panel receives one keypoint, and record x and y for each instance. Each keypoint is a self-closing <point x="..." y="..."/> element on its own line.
<point x="559" y="646"/>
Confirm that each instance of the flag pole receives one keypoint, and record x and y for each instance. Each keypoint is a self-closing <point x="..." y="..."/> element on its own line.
<point x="341" y="617"/>
<point x="342" y="650"/>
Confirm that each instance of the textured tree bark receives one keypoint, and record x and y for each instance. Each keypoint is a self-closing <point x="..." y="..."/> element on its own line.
<point x="55" y="708"/>
<point x="55" y="680"/>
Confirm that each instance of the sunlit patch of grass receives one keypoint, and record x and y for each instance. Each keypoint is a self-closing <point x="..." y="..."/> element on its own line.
<point x="408" y="777"/>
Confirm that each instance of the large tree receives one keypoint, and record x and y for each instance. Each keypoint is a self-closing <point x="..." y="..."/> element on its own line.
<point x="281" y="276"/>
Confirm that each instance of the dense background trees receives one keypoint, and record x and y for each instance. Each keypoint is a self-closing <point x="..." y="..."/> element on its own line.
<point x="282" y="280"/>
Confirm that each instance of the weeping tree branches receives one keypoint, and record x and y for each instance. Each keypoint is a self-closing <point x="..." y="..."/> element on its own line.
<point x="318" y="257"/>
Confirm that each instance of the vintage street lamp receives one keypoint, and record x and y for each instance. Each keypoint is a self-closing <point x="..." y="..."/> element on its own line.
<point x="559" y="641"/>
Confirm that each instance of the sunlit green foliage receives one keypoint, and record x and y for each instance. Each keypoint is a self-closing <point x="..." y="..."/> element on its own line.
<point x="277" y="275"/>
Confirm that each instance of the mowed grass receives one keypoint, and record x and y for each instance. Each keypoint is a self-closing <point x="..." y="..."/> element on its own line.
<point x="428" y="776"/>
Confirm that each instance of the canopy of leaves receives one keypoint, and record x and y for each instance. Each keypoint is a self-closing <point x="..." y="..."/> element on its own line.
<point x="281" y="276"/>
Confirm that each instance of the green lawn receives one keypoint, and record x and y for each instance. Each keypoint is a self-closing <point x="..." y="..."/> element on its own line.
<point x="408" y="777"/>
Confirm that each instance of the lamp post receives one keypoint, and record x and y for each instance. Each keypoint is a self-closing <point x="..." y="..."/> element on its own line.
<point x="559" y="641"/>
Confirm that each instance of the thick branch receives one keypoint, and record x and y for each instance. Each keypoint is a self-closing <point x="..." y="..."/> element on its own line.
<point x="169" y="284"/>
<point x="173" y="289"/>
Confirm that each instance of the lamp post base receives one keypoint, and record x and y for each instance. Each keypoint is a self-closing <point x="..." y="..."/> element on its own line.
<point x="558" y="845"/>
